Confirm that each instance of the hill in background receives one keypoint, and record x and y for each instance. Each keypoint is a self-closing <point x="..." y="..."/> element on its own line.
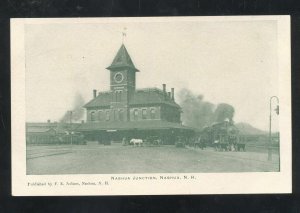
<point x="247" y="129"/>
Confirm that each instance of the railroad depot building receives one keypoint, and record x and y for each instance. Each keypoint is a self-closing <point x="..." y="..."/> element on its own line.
<point x="52" y="133"/>
<point x="40" y="133"/>
<point x="128" y="112"/>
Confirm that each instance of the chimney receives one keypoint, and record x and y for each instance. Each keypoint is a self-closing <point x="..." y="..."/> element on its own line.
<point x="173" y="97"/>
<point x="164" y="87"/>
<point x="95" y="93"/>
<point x="164" y="90"/>
<point x="169" y="94"/>
<point x="48" y="121"/>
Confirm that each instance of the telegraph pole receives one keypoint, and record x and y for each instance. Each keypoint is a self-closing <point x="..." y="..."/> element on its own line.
<point x="270" y="126"/>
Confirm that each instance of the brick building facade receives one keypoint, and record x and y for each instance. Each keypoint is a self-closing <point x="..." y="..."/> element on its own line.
<point x="125" y="111"/>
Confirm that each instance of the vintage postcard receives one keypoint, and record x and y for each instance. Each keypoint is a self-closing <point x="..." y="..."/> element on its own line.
<point x="146" y="106"/>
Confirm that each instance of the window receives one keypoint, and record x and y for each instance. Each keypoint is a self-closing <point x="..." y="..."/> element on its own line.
<point x="100" y="116"/>
<point x="93" y="117"/>
<point x="135" y="114"/>
<point x="116" y="114"/>
<point x="144" y="113"/>
<point x="118" y="96"/>
<point x="107" y="115"/>
<point x="152" y="113"/>
<point x="121" y="115"/>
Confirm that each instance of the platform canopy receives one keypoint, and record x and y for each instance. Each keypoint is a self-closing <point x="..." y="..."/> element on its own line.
<point x="132" y="125"/>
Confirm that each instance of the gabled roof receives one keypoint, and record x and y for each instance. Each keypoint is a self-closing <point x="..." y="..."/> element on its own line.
<point x="122" y="59"/>
<point x="139" y="97"/>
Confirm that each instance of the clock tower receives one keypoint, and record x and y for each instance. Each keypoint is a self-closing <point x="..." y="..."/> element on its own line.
<point x="122" y="78"/>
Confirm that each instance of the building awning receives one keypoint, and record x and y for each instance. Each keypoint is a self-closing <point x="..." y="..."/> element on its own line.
<point x="40" y="130"/>
<point x="132" y="125"/>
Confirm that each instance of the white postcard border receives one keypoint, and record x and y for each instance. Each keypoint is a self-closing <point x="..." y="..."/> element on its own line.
<point x="202" y="183"/>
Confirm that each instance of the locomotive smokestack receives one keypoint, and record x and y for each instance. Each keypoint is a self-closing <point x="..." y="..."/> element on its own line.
<point x="173" y="97"/>
<point x="95" y="93"/>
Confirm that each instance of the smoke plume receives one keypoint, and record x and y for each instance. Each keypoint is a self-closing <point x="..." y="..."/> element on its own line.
<point x="224" y="112"/>
<point x="77" y="112"/>
<point x="198" y="113"/>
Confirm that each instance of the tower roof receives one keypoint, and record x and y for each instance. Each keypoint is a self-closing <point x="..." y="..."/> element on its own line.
<point x="122" y="59"/>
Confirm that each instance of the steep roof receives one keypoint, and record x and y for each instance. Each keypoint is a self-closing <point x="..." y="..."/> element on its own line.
<point x="151" y="124"/>
<point x="122" y="59"/>
<point x="139" y="97"/>
<point x="151" y="96"/>
<point x="103" y="99"/>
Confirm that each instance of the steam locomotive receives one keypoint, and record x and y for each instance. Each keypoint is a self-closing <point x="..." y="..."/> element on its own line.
<point x="222" y="136"/>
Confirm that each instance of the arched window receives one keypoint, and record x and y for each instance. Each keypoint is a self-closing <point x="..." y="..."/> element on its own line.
<point x="107" y="115"/>
<point x="116" y="115"/>
<point x="100" y="116"/>
<point x="118" y="96"/>
<point x="135" y="114"/>
<point x="152" y="113"/>
<point x="121" y="115"/>
<point x="144" y="113"/>
<point x="93" y="116"/>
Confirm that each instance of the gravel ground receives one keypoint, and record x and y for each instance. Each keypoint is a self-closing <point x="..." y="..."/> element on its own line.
<point x="114" y="159"/>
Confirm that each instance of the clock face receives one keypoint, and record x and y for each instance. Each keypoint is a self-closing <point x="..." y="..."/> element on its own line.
<point x="118" y="77"/>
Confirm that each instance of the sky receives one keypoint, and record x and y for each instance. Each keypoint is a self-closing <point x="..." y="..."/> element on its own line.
<point x="232" y="62"/>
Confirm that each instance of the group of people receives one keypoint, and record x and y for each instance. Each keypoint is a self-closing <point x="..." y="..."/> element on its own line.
<point x="197" y="142"/>
<point x="231" y="146"/>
